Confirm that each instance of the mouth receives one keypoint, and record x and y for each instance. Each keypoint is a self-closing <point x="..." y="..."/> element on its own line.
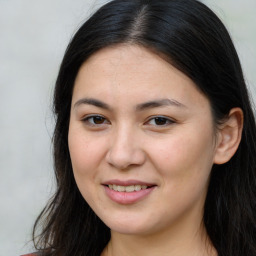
<point x="128" y="192"/>
<point x="128" y="189"/>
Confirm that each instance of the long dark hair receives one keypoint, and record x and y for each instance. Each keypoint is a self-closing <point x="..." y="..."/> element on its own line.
<point x="193" y="39"/>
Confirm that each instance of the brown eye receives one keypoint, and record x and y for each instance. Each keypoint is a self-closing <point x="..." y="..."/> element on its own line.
<point x="98" y="119"/>
<point x="95" y="120"/>
<point x="160" y="121"/>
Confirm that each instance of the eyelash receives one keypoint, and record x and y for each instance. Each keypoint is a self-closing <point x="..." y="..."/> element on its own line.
<point x="167" y="121"/>
<point x="93" y="117"/>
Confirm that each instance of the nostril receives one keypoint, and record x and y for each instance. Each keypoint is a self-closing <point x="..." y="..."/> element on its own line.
<point x="123" y="159"/>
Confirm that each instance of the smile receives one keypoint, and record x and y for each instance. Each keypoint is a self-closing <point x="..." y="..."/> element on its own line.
<point x="128" y="192"/>
<point x="128" y="189"/>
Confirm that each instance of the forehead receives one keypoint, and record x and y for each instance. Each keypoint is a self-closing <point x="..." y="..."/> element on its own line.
<point x="136" y="59"/>
<point x="132" y="70"/>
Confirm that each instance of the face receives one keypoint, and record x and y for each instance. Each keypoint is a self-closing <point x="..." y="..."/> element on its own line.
<point x="141" y="141"/>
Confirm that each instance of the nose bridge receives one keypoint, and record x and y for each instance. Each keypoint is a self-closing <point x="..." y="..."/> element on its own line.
<point x="125" y="149"/>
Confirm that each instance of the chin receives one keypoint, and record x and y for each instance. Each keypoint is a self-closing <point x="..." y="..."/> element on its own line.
<point x="130" y="230"/>
<point x="131" y="226"/>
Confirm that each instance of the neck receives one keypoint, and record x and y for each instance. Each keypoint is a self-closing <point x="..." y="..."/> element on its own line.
<point x="167" y="243"/>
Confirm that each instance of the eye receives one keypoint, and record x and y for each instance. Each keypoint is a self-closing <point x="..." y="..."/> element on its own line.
<point x="160" y="121"/>
<point x="95" y="120"/>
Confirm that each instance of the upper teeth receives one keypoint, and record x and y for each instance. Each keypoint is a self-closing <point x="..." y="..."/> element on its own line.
<point x="131" y="188"/>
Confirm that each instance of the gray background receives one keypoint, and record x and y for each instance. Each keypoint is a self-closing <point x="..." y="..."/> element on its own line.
<point x="33" y="37"/>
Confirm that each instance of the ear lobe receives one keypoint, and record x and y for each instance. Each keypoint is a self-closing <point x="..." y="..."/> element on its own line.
<point x="229" y="136"/>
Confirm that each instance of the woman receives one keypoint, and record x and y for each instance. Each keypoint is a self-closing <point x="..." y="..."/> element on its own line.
<point x="154" y="139"/>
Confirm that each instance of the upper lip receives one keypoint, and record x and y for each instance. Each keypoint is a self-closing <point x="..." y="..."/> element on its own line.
<point x="127" y="182"/>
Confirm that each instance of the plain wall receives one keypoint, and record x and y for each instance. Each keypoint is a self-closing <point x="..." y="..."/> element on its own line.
<point x="33" y="37"/>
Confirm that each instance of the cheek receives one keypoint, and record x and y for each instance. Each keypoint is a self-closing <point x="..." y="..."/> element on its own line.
<point x="86" y="157"/>
<point x="86" y="154"/>
<point x="184" y="158"/>
<point x="184" y="167"/>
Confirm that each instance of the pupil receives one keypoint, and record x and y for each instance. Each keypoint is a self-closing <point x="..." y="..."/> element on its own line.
<point x="98" y="120"/>
<point x="160" y="121"/>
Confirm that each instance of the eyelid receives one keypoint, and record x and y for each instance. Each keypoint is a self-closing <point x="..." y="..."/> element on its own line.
<point x="168" y="119"/>
<point x="86" y="118"/>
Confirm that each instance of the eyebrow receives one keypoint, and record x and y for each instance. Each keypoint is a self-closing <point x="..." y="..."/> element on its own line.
<point x="91" y="101"/>
<point x="159" y="103"/>
<point x="140" y="107"/>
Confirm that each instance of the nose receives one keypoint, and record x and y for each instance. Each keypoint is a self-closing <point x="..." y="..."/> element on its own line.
<point x="125" y="150"/>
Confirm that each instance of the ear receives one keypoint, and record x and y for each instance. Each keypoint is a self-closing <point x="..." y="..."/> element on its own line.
<point x="229" y="136"/>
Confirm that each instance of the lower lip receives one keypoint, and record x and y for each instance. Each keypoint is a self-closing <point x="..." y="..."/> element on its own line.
<point x="127" y="197"/>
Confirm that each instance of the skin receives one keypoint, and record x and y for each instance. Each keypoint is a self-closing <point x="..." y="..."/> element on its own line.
<point x="175" y="152"/>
